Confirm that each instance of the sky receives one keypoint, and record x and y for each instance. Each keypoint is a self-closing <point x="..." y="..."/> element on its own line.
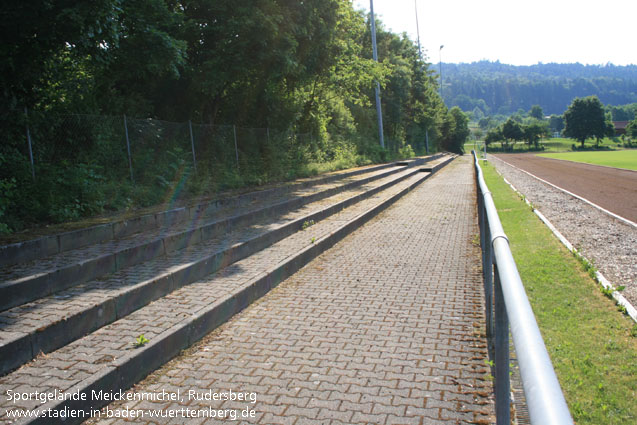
<point x="517" y="32"/>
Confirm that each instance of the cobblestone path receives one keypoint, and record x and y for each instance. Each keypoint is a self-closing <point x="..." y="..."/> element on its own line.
<point x="384" y="328"/>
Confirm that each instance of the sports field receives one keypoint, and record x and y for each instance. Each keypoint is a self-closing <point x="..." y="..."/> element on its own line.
<point x="618" y="159"/>
<point x="612" y="188"/>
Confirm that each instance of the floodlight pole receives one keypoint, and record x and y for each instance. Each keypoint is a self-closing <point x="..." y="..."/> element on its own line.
<point x="379" y="113"/>
<point x="440" y="63"/>
<point x="417" y="30"/>
<point x="420" y="57"/>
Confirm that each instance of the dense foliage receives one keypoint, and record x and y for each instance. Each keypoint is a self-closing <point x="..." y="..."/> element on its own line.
<point x="585" y="118"/>
<point x="293" y="68"/>
<point x="528" y="130"/>
<point x="490" y="88"/>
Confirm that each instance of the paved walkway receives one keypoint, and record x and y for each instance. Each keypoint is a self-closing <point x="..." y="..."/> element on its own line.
<point x="385" y="328"/>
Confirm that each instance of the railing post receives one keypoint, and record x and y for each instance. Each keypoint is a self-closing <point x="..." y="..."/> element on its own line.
<point x="488" y="289"/>
<point x="502" y="378"/>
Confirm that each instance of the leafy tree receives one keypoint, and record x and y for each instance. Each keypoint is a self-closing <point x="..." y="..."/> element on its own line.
<point x="494" y="135"/>
<point x="585" y="118"/>
<point x="455" y="130"/>
<point x="631" y="129"/>
<point x="150" y="56"/>
<point x="536" y="112"/>
<point x="623" y="112"/>
<point x="533" y="132"/>
<point x="512" y="132"/>
<point x="485" y="123"/>
<point x="556" y="123"/>
<point x="286" y="65"/>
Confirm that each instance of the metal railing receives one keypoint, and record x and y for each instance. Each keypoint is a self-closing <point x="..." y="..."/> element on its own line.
<point x="508" y="306"/>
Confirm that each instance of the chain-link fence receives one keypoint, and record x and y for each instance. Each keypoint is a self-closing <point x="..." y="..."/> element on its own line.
<point x="56" y="168"/>
<point x="147" y="151"/>
<point x="63" y="167"/>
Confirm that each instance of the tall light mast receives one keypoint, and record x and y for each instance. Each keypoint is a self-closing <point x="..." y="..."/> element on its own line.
<point x="379" y="113"/>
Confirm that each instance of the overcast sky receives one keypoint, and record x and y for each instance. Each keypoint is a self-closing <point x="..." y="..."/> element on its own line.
<point x="517" y="32"/>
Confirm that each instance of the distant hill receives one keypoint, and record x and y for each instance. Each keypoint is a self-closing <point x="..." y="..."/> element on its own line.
<point x="496" y="88"/>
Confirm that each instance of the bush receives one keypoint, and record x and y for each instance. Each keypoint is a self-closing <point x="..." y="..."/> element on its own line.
<point x="376" y="153"/>
<point x="7" y="188"/>
<point x="406" y="152"/>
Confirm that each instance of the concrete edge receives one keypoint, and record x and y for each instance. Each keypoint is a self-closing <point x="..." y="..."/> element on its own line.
<point x="141" y="362"/>
<point x="51" y="337"/>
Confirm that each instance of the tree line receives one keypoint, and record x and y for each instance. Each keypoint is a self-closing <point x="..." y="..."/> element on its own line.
<point x="293" y="67"/>
<point x="585" y="118"/>
<point x="491" y="88"/>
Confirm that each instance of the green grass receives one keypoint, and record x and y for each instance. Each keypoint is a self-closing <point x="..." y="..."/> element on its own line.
<point x="618" y="159"/>
<point x="592" y="345"/>
<point x="564" y="145"/>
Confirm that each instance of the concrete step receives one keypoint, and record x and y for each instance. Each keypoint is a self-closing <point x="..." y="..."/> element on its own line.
<point x="106" y="359"/>
<point x="53" y="321"/>
<point x="49" y="245"/>
<point x="21" y="283"/>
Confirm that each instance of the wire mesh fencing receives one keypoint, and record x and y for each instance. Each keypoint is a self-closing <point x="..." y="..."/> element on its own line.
<point x="149" y="151"/>
<point x="57" y="168"/>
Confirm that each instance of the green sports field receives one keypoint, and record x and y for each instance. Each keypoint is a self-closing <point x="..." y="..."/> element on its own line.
<point x="619" y="159"/>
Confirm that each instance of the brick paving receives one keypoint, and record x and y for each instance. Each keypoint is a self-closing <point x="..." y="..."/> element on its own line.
<point x="105" y="349"/>
<point x="386" y="327"/>
<point x="29" y="317"/>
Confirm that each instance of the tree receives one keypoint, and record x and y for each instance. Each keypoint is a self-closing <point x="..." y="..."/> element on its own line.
<point x="536" y="112"/>
<point x="458" y="130"/>
<point x="533" y="132"/>
<point x="512" y="132"/>
<point x="494" y="135"/>
<point x="585" y="118"/>
<point x="556" y="123"/>
<point x="485" y="123"/>
<point x="631" y="129"/>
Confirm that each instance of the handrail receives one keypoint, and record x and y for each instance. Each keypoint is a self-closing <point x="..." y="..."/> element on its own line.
<point x="544" y="397"/>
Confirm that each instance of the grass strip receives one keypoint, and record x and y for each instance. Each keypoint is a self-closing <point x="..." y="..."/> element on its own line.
<point x="592" y="345"/>
<point x="619" y="159"/>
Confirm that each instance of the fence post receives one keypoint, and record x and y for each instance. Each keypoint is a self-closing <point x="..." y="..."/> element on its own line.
<point x="502" y="379"/>
<point x="26" y="113"/>
<point x="192" y="143"/>
<point x="236" y="149"/>
<point x="130" y="161"/>
<point x="427" y="142"/>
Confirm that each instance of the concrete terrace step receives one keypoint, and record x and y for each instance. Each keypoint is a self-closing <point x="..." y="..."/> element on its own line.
<point x="106" y="359"/>
<point x="29" y="281"/>
<point x="51" y="322"/>
<point x="54" y="244"/>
